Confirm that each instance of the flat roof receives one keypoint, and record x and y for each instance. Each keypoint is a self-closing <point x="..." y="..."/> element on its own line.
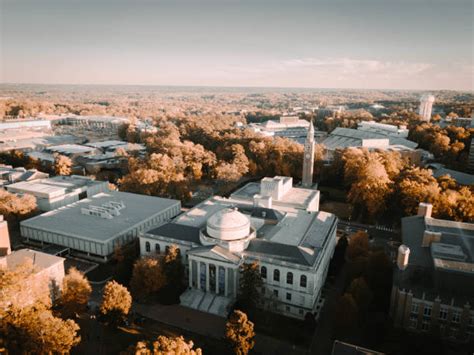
<point x="69" y="220"/>
<point x="39" y="259"/>
<point x="71" y="148"/>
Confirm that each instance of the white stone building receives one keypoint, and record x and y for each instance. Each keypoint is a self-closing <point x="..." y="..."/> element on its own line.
<point x="292" y="244"/>
<point x="426" y="105"/>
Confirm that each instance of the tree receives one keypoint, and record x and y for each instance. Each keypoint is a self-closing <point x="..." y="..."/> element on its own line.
<point x="346" y="313"/>
<point x="16" y="207"/>
<point x="76" y="292"/>
<point x="164" y="345"/>
<point x="249" y="286"/>
<point x="173" y="266"/>
<point x="116" y="302"/>
<point x="62" y="165"/>
<point x="148" y="277"/>
<point x="361" y="294"/>
<point x="34" y="329"/>
<point x="239" y="333"/>
<point x="358" y="245"/>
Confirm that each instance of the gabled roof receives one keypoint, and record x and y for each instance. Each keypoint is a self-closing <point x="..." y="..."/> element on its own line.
<point x="217" y="253"/>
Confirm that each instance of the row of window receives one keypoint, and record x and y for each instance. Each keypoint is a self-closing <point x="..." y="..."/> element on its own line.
<point x="148" y="247"/>
<point x="289" y="276"/>
<point x="443" y="312"/>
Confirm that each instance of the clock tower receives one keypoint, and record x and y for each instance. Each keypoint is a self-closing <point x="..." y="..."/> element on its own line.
<point x="308" y="162"/>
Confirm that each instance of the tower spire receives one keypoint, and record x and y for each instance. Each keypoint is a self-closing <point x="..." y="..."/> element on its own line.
<point x="308" y="160"/>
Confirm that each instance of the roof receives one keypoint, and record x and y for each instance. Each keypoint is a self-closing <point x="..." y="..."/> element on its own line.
<point x="69" y="220"/>
<point x="460" y="177"/>
<point x="348" y="137"/>
<point x="341" y="348"/>
<point x="71" y="149"/>
<point x="177" y="231"/>
<point x="215" y="252"/>
<point x="39" y="259"/>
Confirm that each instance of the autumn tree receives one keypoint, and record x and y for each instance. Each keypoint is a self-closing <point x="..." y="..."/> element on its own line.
<point x="75" y="293"/>
<point x="346" y="314"/>
<point x="163" y="345"/>
<point x="116" y="302"/>
<point x="34" y="329"/>
<point x="62" y="165"/>
<point x="249" y="286"/>
<point x="361" y="294"/>
<point x="358" y="245"/>
<point x="16" y="207"/>
<point x="148" y="277"/>
<point x="240" y="333"/>
<point x="173" y="267"/>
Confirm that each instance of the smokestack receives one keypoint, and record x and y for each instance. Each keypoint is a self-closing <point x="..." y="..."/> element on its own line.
<point x="403" y="257"/>
<point x="425" y="209"/>
<point x="5" y="247"/>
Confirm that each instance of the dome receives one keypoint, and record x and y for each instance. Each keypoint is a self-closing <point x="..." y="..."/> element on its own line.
<point x="228" y="224"/>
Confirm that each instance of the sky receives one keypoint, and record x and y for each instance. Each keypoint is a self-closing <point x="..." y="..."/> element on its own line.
<point x="367" y="44"/>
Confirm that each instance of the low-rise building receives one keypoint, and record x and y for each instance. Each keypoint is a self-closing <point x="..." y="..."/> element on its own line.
<point x="94" y="226"/>
<point x="59" y="191"/>
<point x="10" y="175"/>
<point x="275" y="226"/>
<point x="386" y="129"/>
<point x="46" y="271"/>
<point x="433" y="282"/>
<point x="460" y="177"/>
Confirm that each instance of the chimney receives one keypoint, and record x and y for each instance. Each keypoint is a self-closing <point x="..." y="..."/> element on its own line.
<point x="5" y="248"/>
<point x="403" y="257"/>
<point x="425" y="209"/>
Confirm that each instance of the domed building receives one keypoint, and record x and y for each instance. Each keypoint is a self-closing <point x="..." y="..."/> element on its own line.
<point x="272" y="223"/>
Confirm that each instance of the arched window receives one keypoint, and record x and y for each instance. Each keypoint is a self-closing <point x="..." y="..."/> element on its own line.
<point x="147" y="247"/>
<point x="263" y="272"/>
<point x="276" y="275"/>
<point x="289" y="278"/>
<point x="157" y="248"/>
<point x="303" y="281"/>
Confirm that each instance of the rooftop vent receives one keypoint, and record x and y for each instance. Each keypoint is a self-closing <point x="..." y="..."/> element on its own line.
<point x="107" y="210"/>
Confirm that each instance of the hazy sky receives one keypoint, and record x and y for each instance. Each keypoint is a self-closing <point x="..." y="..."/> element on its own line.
<point x="407" y="44"/>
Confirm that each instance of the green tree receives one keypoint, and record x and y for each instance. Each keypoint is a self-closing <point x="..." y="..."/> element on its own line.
<point x="240" y="333"/>
<point x="249" y="286"/>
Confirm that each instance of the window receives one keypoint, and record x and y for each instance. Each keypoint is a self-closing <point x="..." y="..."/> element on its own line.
<point x="275" y="293"/>
<point x="443" y="313"/>
<point x="276" y="275"/>
<point x="456" y="317"/>
<point x="157" y="248"/>
<point x="414" y="307"/>
<point x="263" y="272"/>
<point x="303" y="281"/>
<point x="147" y="247"/>
<point x="427" y="311"/>
<point x="289" y="278"/>
<point x="425" y="325"/>
<point x="288" y="296"/>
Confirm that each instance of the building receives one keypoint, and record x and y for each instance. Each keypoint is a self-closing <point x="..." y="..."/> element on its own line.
<point x="94" y="226"/>
<point x="308" y="159"/>
<point x="426" y="105"/>
<point x="470" y="159"/>
<point x="47" y="271"/>
<point x="9" y="175"/>
<point x="433" y="282"/>
<point x="93" y="122"/>
<point x="59" y="191"/>
<point x="342" y="348"/>
<point x="292" y="245"/>
<point x="291" y="127"/>
<point x="385" y="129"/>
<point x="461" y="178"/>
<point x="342" y="138"/>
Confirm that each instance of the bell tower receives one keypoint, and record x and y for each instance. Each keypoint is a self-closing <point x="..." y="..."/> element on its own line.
<point x="308" y="162"/>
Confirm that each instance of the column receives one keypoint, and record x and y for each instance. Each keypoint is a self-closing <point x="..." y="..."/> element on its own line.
<point x="207" y="277"/>
<point x="217" y="279"/>
<point x="198" y="274"/>
<point x="235" y="281"/>
<point x="190" y="273"/>
<point x="226" y="288"/>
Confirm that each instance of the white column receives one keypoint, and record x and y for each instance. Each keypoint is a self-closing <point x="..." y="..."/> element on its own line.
<point x="235" y="281"/>
<point x="217" y="279"/>
<point x="207" y="277"/>
<point x="226" y="288"/>
<point x="199" y="275"/>
<point x="190" y="273"/>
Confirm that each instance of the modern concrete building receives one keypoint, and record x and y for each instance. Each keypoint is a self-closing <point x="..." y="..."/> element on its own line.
<point x="10" y="175"/>
<point x="308" y="159"/>
<point x="433" y="287"/>
<point x="95" y="226"/>
<point x="292" y="245"/>
<point x="59" y="191"/>
<point x="382" y="128"/>
<point x="460" y="177"/>
<point x="426" y="106"/>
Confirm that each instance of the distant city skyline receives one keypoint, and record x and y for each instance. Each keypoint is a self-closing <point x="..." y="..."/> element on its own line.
<point x="360" y="44"/>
